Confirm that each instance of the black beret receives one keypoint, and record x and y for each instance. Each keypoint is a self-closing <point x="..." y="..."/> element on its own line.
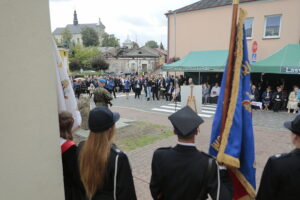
<point x="101" y="119"/>
<point x="185" y="121"/>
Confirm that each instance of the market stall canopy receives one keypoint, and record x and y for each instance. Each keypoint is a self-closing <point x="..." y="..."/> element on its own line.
<point x="200" y="61"/>
<point x="284" y="61"/>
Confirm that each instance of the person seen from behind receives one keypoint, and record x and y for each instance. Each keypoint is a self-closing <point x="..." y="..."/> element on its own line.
<point x="72" y="184"/>
<point x="281" y="175"/>
<point x="185" y="173"/>
<point x="104" y="169"/>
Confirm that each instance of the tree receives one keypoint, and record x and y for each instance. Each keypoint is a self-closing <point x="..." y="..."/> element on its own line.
<point x="99" y="64"/>
<point x="161" y="46"/>
<point x="66" y="38"/>
<point x="109" y="40"/>
<point x="89" y="37"/>
<point x="74" y="65"/>
<point x="151" y="44"/>
<point x="84" y="55"/>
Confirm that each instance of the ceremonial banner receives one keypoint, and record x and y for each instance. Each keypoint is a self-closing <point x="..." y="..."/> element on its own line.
<point x="65" y="94"/>
<point x="235" y="146"/>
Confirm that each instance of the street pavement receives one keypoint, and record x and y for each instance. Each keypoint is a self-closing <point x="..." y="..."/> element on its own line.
<point x="270" y="136"/>
<point x="264" y="119"/>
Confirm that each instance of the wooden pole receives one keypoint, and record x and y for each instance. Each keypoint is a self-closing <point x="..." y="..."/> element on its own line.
<point x="230" y="64"/>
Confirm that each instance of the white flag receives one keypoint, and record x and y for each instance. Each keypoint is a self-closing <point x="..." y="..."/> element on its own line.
<point x="65" y="93"/>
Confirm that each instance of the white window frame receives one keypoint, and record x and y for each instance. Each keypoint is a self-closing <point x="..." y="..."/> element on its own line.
<point x="265" y="26"/>
<point x="250" y="38"/>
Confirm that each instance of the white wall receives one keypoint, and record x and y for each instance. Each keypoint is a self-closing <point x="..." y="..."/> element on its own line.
<point x="30" y="166"/>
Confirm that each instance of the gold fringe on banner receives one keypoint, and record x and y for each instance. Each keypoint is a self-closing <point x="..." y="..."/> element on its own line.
<point x="222" y="157"/>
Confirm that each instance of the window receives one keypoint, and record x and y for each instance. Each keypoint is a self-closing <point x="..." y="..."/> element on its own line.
<point x="272" y="26"/>
<point x="248" y="27"/>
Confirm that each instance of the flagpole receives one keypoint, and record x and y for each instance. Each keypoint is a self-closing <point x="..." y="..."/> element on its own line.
<point x="230" y="64"/>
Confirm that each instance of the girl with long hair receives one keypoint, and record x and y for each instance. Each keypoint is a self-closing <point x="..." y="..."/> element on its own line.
<point x="104" y="169"/>
<point x="72" y="184"/>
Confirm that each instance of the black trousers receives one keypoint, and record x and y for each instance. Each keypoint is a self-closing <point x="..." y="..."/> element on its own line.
<point x="276" y="106"/>
<point x="137" y="92"/>
<point x="155" y="93"/>
<point x="112" y="92"/>
<point x="168" y="97"/>
<point x="213" y="99"/>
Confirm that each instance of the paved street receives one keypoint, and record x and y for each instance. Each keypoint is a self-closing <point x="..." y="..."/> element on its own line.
<point x="263" y="119"/>
<point x="271" y="138"/>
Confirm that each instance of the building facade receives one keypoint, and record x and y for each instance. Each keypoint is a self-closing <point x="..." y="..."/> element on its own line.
<point x="141" y="60"/>
<point x="205" y="25"/>
<point x="76" y="28"/>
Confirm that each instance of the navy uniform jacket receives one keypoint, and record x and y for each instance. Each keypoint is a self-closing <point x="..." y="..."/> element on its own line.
<point x="178" y="174"/>
<point x="281" y="178"/>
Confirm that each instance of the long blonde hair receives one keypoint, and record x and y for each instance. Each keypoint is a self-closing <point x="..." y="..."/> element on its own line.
<point x="93" y="160"/>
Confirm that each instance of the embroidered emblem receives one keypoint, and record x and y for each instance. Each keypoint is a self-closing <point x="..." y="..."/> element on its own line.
<point x="216" y="144"/>
<point x="247" y="105"/>
<point x="246" y="68"/>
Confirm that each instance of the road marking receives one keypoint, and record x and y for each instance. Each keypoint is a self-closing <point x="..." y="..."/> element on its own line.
<point x="173" y="104"/>
<point x="163" y="110"/>
<point x="204" y="115"/>
<point x="170" y="107"/>
<point x="211" y="105"/>
<point x="208" y="108"/>
<point x="209" y="112"/>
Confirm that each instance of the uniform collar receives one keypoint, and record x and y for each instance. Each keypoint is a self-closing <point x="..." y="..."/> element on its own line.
<point x="185" y="148"/>
<point x="186" y="144"/>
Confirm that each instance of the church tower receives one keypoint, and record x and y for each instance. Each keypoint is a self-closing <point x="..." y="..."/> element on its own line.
<point x="75" y="20"/>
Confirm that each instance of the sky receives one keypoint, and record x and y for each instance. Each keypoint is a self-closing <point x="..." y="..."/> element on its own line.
<point x="141" y="20"/>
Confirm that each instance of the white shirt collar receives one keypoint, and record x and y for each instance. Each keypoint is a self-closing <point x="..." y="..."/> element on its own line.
<point x="186" y="144"/>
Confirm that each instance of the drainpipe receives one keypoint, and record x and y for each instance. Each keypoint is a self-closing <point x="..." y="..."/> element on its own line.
<point x="174" y="15"/>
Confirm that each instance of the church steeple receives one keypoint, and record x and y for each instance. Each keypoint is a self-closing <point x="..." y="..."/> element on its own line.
<point x="75" y="20"/>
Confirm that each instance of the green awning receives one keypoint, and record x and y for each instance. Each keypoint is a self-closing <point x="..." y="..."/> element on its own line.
<point x="284" y="61"/>
<point x="200" y="61"/>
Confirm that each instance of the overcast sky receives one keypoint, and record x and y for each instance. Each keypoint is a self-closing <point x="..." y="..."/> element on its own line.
<point x="142" y="20"/>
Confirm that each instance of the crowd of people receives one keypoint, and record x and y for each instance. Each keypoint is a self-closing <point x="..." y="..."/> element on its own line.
<point x="156" y="87"/>
<point x="276" y="99"/>
<point x="97" y="169"/>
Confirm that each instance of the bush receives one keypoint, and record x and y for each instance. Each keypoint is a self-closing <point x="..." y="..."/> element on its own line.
<point x="84" y="56"/>
<point x="74" y="65"/>
<point x="99" y="64"/>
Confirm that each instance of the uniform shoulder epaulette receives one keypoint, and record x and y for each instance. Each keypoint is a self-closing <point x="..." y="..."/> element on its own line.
<point x="208" y="155"/>
<point x="116" y="150"/>
<point x="282" y="155"/>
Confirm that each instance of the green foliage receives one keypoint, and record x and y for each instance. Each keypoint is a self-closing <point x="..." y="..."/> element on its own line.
<point x="98" y="64"/>
<point x="84" y="56"/>
<point x="109" y="40"/>
<point x="151" y="44"/>
<point x="66" y="38"/>
<point x="89" y="37"/>
<point x="161" y="46"/>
